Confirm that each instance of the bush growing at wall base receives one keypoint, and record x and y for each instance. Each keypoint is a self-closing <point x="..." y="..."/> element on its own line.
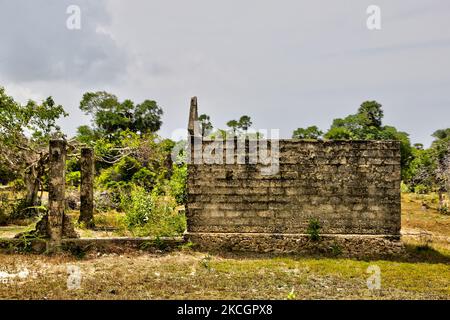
<point x="178" y="183"/>
<point x="313" y="229"/>
<point x="148" y="214"/>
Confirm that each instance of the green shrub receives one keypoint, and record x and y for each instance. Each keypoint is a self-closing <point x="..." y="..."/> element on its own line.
<point x="421" y="189"/>
<point x="313" y="229"/>
<point x="138" y="206"/>
<point x="205" y="262"/>
<point x="178" y="183"/>
<point x="336" y="249"/>
<point x="120" y="173"/>
<point x="144" y="178"/>
<point x="73" y="178"/>
<point x="17" y="185"/>
<point x="404" y="188"/>
<point x="149" y="214"/>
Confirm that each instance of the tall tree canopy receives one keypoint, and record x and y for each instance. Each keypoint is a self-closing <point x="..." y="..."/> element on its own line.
<point x="24" y="134"/>
<point x="110" y="116"/>
<point x="312" y="132"/>
<point x="367" y="124"/>
<point x="233" y="125"/>
<point x="244" y="123"/>
<point x="205" y="124"/>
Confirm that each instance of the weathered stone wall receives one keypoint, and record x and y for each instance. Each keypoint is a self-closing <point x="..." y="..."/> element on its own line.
<point x="351" y="187"/>
<point x="361" y="246"/>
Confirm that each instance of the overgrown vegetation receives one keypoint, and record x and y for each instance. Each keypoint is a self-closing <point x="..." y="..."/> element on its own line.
<point x="135" y="175"/>
<point x="152" y="214"/>
<point x="24" y="134"/>
<point x="422" y="170"/>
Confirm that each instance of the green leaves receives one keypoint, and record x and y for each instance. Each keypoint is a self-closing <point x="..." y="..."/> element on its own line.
<point x="206" y="125"/>
<point x="37" y="119"/>
<point x="371" y="114"/>
<point x="243" y="124"/>
<point x="42" y="118"/>
<point x="110" y="116"/>
<point x="367" y="124"/>
<point x="312" y="132"/>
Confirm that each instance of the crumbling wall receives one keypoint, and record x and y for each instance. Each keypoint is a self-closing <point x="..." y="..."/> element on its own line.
<point x="350" y="187"/>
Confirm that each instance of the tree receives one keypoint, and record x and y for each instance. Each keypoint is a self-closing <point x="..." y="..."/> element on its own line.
<point x="312" y="132"/>
<point x="233" y="124"/>
<point x="421" y="169"/>
<point x="418" y="146"/>
<point x="441" y="154"/>
<point x="441" y="134"/>
<point x="110" y="116"/>
<point x="24" y="134"/>
<point x="147" y="117"/>
<point x="367" y="124"/>
<point x="371" y="114"/>
<point x="429" y="169"/>
<point x="244" y="123"/>
<point x="205" y="123"/>
<point x="85" y="134"/>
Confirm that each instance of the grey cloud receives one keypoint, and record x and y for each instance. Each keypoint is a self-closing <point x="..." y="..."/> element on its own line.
<point x="287" y="64"/>
<point x="36" y="45"/>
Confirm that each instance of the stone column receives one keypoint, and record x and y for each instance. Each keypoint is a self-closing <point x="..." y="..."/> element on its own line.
<point x="87" y="188"/>
<point x="194" y="152"/>
<point x="56" y="191"/>
<point x="194" y="135"/>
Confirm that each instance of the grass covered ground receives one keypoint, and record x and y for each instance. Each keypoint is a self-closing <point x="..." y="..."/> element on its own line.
<point x="191" y="275"/>
<point x="185" y="274"/>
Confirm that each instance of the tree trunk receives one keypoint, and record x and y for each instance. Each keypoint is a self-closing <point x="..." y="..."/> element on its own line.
<point x="32" y="182"/>
<point x="32" y="185"/>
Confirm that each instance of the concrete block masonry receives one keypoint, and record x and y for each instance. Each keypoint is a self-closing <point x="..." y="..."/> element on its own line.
<point x="352" y="188"/>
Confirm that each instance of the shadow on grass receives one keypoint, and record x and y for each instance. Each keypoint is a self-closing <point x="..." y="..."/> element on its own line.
<point x="424" y="254"/>
<point x="411" y="254"/>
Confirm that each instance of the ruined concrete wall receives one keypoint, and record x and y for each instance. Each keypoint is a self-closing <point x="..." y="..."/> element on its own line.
<point x="351" y="187"/>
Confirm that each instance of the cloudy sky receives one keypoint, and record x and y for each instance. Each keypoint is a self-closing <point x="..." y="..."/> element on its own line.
<point x="287" y="63"/>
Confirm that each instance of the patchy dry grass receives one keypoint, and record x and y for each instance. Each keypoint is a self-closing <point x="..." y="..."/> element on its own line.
<point x="184" y="275"/>
<point x="423" y="274"/>
<point x="424" y="225"/>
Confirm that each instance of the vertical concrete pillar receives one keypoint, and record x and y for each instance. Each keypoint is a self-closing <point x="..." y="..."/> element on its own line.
<point x="194" y="135"/>
<point x="87" y="187"/>
<point x="195" y="148"/>
<point x="56" y="191"/>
